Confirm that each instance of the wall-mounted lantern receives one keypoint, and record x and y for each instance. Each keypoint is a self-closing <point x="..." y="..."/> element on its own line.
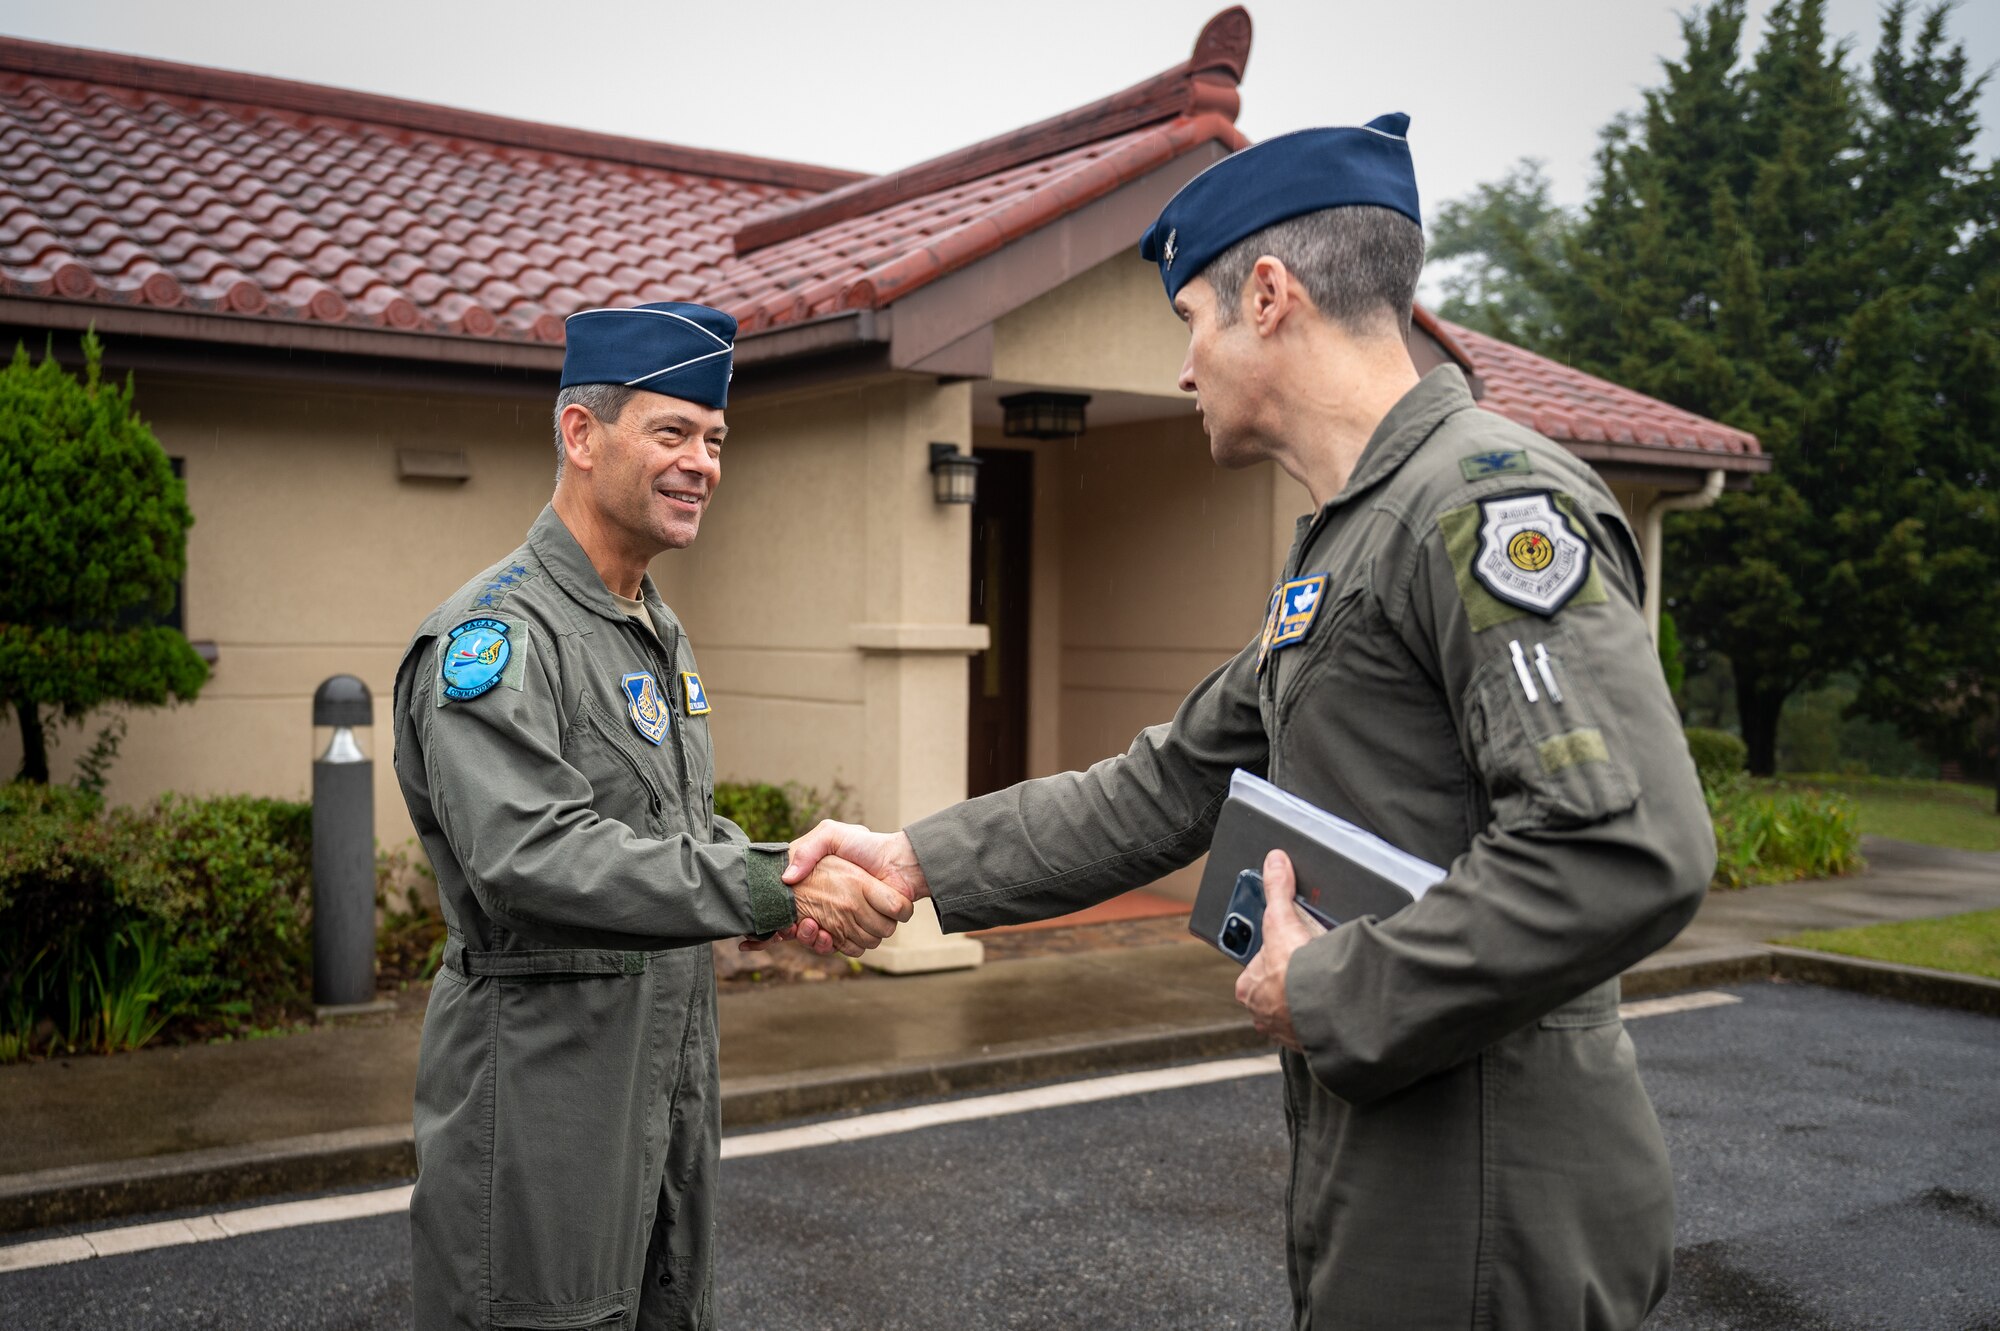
<point x="954" y="475"/>
<point x="1043" y="415"/>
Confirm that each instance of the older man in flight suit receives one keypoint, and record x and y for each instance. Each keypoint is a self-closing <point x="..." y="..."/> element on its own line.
<point x="552" y="743"/>
<point x="1454" y="658"/>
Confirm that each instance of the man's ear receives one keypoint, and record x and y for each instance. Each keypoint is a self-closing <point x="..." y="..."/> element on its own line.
<point x="579" y="436"/>
<point x="1271" y="295"/>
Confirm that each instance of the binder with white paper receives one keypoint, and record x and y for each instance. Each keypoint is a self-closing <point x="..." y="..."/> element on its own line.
<point x="1344" y="872"/>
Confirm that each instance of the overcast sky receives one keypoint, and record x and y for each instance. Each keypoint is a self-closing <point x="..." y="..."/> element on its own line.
<point x="879" y="85"/>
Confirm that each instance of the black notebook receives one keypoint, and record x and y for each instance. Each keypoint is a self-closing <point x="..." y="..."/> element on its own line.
<point x="1344" y="872"/>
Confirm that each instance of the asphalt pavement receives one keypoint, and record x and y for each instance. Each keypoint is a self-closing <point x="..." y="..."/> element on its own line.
<point x="1838" y="1161"/>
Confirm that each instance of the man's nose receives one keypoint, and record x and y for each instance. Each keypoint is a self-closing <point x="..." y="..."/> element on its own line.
<point x="1187" y="372"/>
<point x="702" y="463"/>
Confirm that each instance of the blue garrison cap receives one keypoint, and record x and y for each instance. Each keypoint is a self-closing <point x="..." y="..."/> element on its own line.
<point x="1281" y="178"/>
<point x="673" y="347"/>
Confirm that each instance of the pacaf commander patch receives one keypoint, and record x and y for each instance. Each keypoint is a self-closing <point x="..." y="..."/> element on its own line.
<point x="475" y="659"/>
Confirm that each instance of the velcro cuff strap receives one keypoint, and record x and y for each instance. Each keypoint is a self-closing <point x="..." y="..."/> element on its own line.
<point x="770" y="900"/>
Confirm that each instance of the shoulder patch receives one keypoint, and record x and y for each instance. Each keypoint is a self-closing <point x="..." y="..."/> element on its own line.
<point x="501" y="587"/>
<point x="1519" y="554"/>
<point x="507" y="663"/>
<point x="474" y="659"/>
<point x="1499" y="462"/>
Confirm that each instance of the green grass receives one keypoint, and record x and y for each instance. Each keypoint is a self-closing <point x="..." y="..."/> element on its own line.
<point x="1968" y="944"/>
<point x="1935" y="813"/>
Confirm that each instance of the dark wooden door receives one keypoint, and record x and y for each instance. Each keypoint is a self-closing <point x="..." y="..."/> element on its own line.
<point x="1002" y="526"/>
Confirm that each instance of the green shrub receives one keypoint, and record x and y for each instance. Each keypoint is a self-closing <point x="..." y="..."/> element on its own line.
<point x="1718" y="755"/>
<point x="1673" y="664"/>
<point x="762" y="810"/>
<point x="229" y="881"/>
<point x="778" y="813"/>
<point x="1776" y="835"/>
<point x="113" y="924"/>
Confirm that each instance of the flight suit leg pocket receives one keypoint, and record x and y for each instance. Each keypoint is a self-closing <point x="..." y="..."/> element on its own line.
<point x="612" y="1310"/>
<point x="572" y="1176"/>
<point x="1546" y="744"/>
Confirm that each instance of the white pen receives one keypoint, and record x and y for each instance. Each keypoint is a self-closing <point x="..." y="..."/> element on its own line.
<point x="1548" y="674"/>
<point x="1521" y="669"/>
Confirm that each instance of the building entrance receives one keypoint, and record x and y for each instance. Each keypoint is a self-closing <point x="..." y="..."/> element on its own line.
<point x="1002" y="527"/>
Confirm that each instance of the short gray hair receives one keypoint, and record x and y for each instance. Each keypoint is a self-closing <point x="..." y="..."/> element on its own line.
<point x="604" y="401"/>
<point x="1359" y="264"/>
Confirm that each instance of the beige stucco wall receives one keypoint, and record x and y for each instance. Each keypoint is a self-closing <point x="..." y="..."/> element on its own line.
<point x="1107" y="329"/>
<point x="309" y="558"/>
<point x="1151" y="567"/>
<point x="822" y="549"/>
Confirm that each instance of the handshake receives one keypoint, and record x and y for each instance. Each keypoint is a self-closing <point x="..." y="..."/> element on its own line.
<point x="851" y="887"/>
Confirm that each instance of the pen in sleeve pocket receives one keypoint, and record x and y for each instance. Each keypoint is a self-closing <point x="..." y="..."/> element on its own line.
<point x="1547" y="672"/>
<point x="1521" y="670"/>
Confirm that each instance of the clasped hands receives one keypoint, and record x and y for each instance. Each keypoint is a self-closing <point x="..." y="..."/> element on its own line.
<point x="851" y="887"/>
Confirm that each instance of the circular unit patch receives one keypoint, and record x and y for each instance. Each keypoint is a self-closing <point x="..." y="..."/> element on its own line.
<point x="1531" y="551"/>
<point x="475" y="658"/>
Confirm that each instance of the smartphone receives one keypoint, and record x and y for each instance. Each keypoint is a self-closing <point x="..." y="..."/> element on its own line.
<point x="1243" y="923"/>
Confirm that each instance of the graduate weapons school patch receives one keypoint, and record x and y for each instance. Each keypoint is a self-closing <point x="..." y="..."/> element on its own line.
<point x="1528" y="554"/>
<point x="646" y="707"/>
<point x="474" y="659"/>
<point x="697" y="696"/>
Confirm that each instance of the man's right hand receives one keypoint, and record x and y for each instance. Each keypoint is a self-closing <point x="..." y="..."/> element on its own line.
<point x="887" y="855"/>
<point x="851" y="910"/>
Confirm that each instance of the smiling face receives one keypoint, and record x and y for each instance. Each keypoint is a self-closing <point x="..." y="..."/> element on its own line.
<point x="1224" y="369"/>
<point x="652" y="471"/>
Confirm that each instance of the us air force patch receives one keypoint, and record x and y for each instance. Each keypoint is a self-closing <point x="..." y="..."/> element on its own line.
<point x="475" y="658"/>
<point x="1529" y="555"/>
<point x="697" y="697"/>
<point x="647" y="709"/>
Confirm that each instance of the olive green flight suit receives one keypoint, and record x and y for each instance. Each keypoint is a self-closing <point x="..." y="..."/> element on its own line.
<point x="1471" y="1145"/>
<point x="567" y="1122"/>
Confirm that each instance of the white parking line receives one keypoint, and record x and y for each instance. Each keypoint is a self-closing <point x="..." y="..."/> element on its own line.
<point x="386" y="1201"/>
<point x="203" y="1228"/>
<point x="1660" y="1007"/>
<point x="994" y="1106"/>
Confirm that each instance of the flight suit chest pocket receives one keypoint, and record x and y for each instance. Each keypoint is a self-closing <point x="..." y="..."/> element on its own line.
<point x="1542" y="737"/>
<point x="1304" y="660"/>
<point x="625" y="784"/>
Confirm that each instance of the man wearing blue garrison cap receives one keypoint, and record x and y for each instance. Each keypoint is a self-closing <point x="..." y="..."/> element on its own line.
<point x="1454" y="657"/>
<point x="552" y="742"/>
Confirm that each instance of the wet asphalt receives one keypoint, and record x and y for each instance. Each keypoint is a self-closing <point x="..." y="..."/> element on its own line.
<point x="1838" y="1162"/>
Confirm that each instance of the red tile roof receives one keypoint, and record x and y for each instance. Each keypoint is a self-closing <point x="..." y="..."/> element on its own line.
<point x="131" y="182"/>
<point x="136" y="183"/>
<point x="1572" y="407"/>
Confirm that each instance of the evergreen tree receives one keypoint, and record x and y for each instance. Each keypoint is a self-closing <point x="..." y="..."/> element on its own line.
<point x="94" y="523"/>
<point x="1811" y="256"/>
<point x="1504" y="238"/>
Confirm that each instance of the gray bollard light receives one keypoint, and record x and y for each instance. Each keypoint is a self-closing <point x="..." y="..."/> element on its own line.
<point x="343" y="848"/>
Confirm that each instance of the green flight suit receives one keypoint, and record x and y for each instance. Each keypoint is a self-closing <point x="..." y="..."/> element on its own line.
<point x="567" y="1121"/>
<point x="1471" y="1145"/>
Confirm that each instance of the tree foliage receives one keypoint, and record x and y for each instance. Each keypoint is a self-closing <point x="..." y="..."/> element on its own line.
<point x="94" y="523"/>
<point x="1501" y="244"/>
<point x="1808" y="250"/>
